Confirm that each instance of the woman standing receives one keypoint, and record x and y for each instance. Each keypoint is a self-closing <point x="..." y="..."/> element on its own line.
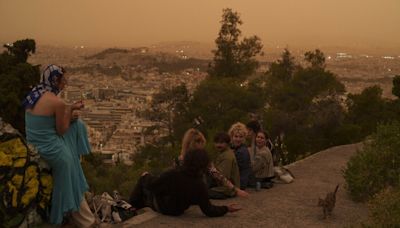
<point x="60" y="137"/>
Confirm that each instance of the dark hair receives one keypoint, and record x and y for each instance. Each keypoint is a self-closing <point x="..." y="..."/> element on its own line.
<point x="222" y="137"/>
<point x="264" y="133"/>
<point x="267" y="139"/>
<point x="195" y="162"/>
<point x="254" y="125"/>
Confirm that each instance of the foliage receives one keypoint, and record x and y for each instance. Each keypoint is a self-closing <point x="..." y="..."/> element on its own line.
<point x="106" y="178"/>
<point x="234" y="58"/>
<point x="304" y="104"/>
<point x="377" y="165"/>
<point x="316" y="59"/>
<point x="223" y="101"/>
<point x="367" y="109"/>
<point x="16" y="79"/>
<point x="156" y="158"/>
<point x="165" y="106"/>
<point x="384" y="208"/>
<point x="151" y="158"/>
<point x="396" y="86"/>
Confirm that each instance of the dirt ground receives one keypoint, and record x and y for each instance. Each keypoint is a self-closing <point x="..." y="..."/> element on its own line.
<point x="285" y="205"/>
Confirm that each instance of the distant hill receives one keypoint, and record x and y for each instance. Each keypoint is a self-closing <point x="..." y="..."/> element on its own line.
<point x="145" y="58"/>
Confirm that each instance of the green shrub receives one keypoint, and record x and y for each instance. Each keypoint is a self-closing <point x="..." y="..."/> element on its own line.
<point x="377" y="165"/>
<point x="384" y="208"/>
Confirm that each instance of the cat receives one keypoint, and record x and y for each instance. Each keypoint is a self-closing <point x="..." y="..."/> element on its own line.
<point x="328" y="203"/>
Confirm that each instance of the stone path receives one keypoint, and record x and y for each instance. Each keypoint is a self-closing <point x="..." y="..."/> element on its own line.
<point x="285" y="205"/>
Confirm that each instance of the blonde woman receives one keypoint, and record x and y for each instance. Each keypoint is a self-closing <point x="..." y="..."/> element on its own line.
<point x="194" y="139"/>
<point x="238" y="133"/>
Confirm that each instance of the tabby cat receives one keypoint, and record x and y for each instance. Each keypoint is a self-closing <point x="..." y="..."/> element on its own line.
<point x="328" y="203"/>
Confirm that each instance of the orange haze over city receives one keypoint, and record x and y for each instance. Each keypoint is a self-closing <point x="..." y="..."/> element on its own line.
<point x="307" y="23"/>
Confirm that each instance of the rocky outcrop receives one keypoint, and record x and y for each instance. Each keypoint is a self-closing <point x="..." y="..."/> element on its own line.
<point x="285" y="205"/>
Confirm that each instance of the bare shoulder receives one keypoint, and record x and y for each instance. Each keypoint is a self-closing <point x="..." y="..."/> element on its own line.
<point x="47" y="104"/>
<point x="52" y="99"/>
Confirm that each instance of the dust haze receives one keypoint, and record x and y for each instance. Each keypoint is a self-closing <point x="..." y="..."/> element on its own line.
<point x="125" y="23"/>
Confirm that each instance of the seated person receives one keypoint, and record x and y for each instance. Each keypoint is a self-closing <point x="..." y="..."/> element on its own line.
<point x="252" y="128"/>
<point x="226" y="164"/>
<point x="177" y="189"/>
<point x="194" y="139"/>
<point x="238" y="133"/>
<point x="262" y="163"/>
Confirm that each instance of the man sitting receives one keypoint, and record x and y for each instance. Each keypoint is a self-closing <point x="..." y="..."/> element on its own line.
<point x="226" y="164"/>
<point x="175" y="190"/>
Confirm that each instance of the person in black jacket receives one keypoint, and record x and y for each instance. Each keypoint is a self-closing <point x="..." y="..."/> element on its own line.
<point x="179" y="188"/>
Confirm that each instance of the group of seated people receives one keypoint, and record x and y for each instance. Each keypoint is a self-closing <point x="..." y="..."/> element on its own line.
<point x="195" y="179"/>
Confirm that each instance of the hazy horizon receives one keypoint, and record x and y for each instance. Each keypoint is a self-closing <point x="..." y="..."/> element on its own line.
<point x="124" y="23"/>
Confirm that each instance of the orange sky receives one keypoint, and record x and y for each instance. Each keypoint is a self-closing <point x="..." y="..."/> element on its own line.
<point x="141" y="22"/>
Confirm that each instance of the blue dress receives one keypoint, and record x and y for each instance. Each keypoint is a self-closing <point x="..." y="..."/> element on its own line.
<point x="63" y="155"/>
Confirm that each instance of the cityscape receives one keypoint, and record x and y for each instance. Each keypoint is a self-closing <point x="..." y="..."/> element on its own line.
<point x="118" y="84"/>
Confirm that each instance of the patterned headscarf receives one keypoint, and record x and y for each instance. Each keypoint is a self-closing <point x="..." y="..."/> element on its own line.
<point x="47" y="83"/>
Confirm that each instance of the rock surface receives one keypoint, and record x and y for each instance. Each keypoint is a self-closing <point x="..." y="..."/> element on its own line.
<point x="285" y="205"/>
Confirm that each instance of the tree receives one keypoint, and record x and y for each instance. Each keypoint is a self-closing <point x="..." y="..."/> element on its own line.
<point x="16" y="79"/>
<point x="396" y="86"/>
<point x="291" y="87"/>
<point x="367" y="109"/>
<point x="234" y="58"/>
<point x="303" y="103"/>
<point x="316" y="58"/>
<point x="21" y="49"/>
<point x="165" y="105"/>
<point x="221" y="102"/>
<point x="283" y="69"/>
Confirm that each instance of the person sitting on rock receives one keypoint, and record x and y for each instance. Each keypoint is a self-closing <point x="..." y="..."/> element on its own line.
<point x="226" y="164"/>
<point x="194" y="139"/>
<point x="60" y="137"/>
<point x="179" y="188"/>
<point x="238" y="133"/>
<point x="262" y="162"/>
<point x="253" y="127"/>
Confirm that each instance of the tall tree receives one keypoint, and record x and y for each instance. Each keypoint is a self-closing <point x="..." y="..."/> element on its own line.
<point x="16" y="79"/>
<point x="234" y="58"/>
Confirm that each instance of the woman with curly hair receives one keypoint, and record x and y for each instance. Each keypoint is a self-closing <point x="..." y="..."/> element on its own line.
<point x="194" y="139"/>
<point x="238" y="133"/>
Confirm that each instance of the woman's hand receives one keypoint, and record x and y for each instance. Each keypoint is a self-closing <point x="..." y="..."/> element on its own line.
<point x="241" y="193"/>
<point x="77" y="105"/>
<point x="233" y="208"/>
